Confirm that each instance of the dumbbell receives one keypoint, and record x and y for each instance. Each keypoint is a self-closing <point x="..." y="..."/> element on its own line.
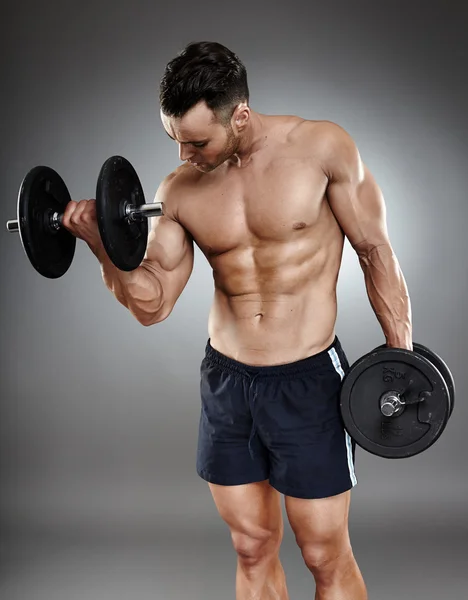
<point x="396" y="403"/>
<point x="121" y="212"/>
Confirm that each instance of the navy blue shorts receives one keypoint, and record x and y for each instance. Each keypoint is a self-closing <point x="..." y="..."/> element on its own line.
<point x="281" y="423"/>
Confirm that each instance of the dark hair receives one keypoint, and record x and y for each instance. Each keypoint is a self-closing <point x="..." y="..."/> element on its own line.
<point x="204" y="71"/>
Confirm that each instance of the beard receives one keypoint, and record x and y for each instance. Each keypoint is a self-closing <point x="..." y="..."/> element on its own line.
<point x="230" y="148"/>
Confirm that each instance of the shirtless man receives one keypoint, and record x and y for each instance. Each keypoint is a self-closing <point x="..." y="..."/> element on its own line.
<point x="268" y="200"/>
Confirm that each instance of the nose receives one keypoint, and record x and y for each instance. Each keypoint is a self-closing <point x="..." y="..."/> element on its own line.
<point x="184" y="152"/>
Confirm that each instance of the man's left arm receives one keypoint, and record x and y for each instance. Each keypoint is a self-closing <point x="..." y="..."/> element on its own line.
<point x="359" y="207"/>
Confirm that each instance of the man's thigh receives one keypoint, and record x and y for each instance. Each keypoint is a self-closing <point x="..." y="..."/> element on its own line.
<point x="252" y="510"/>
<point x="224" y="454"/>
<point x="311" y="454"/>
<point x="320" y="521"/>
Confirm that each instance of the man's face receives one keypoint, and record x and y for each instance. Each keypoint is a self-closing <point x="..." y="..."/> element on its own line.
<point x="203" y="141"/>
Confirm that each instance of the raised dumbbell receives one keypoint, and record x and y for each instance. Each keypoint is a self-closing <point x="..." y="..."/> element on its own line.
<point x="121" y="211"/>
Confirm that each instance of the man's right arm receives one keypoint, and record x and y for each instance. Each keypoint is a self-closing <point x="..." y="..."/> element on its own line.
<point x="152" y="289"/>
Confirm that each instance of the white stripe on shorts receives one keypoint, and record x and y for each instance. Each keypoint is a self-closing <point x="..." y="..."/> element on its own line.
<point x="338" y="368"/>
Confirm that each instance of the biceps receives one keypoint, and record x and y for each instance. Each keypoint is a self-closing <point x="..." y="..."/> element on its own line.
<point x="360" y="211"/>
<point x="168" y="243"/>
<point x="169" y="256"/>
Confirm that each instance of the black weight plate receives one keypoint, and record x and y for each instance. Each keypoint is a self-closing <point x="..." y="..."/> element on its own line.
<point x="419" y="425"/>
<point x="43" y="192"/>
<point x="439" y="363"/>
<point x="118" y="186"/>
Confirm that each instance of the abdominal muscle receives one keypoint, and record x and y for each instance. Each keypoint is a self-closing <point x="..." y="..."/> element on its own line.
<point x="277" y="314"/>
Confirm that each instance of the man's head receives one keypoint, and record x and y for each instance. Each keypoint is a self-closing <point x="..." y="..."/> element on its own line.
<point x="204" y="103"/>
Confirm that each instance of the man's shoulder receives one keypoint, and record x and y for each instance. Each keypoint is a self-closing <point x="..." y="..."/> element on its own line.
<point x="321" y="133"/>
<point x="329" y="143"/>
<point x="172" y="188"/>
<point x="174" y="182"/>
<point x="177" y="177"/>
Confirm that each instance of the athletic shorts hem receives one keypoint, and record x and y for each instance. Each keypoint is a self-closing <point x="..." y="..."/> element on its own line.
<point x="220" y="480"/>
<point x="310" y="495"/>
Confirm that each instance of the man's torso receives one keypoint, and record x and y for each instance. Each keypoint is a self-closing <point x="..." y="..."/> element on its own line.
<point x="273" y="243"/>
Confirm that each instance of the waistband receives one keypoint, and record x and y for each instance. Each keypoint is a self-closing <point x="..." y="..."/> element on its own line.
<point x="302" y="366"/>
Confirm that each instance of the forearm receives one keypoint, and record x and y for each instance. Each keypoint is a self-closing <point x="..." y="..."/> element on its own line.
<point x="388" y="295"/>
<point x="138" y="290"/>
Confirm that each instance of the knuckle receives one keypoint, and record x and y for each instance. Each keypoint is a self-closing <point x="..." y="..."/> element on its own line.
<point x="70" y="207"/>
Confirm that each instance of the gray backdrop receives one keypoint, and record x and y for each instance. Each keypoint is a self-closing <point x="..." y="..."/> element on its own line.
<point x="99" y="415"/>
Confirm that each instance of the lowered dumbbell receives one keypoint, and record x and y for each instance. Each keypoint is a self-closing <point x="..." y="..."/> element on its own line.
<point x="121" y="212"/>
<point x="396" y="403"/>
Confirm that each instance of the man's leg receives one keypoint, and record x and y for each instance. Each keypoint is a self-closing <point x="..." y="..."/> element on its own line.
<point x="321" y="530"/>
<point x="253" y="514"/>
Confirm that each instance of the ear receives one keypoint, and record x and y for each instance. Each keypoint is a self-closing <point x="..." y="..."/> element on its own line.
<point x="240" y="117"/>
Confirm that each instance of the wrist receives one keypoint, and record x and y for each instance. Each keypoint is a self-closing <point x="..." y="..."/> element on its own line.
<point x="405" y="344"/>
<point x="97" y="248"/>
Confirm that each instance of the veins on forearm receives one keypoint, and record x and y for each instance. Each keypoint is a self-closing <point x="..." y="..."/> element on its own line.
<point x="386" y="288"/>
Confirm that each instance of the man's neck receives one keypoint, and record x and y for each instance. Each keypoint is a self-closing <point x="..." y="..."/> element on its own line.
<point x="252" y="141"/>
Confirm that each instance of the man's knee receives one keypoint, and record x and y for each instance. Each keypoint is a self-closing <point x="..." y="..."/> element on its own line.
<point x="325" y="561"/>
<point x="256" y="546"/>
